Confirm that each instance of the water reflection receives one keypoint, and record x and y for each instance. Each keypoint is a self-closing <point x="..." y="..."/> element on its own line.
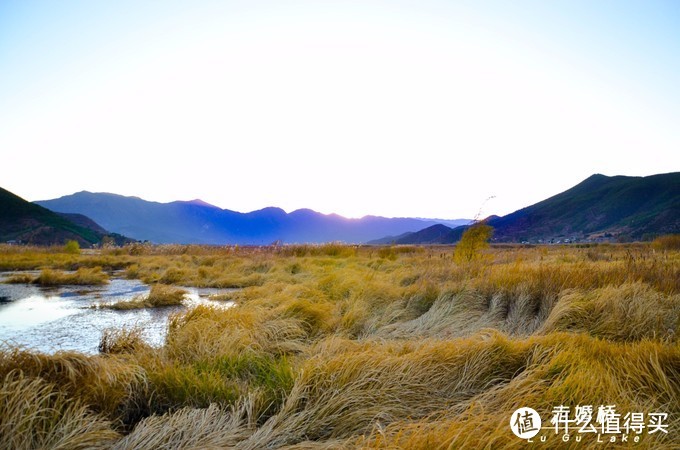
<point x="62" y="318"/>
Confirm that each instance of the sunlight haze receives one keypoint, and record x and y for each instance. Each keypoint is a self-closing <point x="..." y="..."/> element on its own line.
<point x="419" y="109"/>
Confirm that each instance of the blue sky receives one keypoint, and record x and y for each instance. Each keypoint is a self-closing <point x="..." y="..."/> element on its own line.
<point x="398" y="108"/>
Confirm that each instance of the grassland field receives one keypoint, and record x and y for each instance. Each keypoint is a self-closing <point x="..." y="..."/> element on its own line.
<point x="339" y="346"/>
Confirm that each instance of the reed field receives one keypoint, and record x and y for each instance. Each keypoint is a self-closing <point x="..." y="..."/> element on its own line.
<point x="338" y="346"/>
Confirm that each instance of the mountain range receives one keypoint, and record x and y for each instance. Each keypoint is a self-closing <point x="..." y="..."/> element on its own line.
<point x="198" y="222"/>
<point x="25" y="222"/>
<point x="599" y="208"/>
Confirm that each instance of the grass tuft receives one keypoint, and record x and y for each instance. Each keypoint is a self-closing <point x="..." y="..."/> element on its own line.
<point x="187" y="428"/>
<point x="83" y="276"/>
<point x="34" y="414"/>
<point x="122" y="340"/>
<point x="160" y="296"/>
<point x="667" y="242"/>
<point x="20" y="278"/>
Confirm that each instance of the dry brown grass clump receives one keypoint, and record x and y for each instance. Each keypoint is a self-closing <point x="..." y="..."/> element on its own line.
<point x="667" y="242"/>
<point x="20" y="278"/>
<point x="82" y="277"/>
<point x="160" y="296"/>
<point x="33" y="414"/>
<point x="111" y="386"/>
<point x="561" y="369"/>
<point x="187" y="428"/>
<point x="122" y="340"/>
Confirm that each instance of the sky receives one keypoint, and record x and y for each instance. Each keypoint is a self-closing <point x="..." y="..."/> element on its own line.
<point x="395" y="108"/>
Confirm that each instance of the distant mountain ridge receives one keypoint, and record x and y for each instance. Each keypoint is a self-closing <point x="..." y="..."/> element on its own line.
<point x="198" y="222"/>
<point x="619" y="207"/>
<point x="430" y="235"/>
<point x="25" y="222"/>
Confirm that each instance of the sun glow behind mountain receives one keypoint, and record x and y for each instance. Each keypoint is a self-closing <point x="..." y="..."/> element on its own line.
<point x="389" y="108"/>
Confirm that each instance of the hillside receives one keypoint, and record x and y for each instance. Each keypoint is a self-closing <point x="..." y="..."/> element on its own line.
<point x="84" y="222"/>
<point x="25" y="222"/>
<point x="624" y="207"/>
<point x="195" y="221"/>
<point x="429" y="235"/>
<point x="600" y="207"/>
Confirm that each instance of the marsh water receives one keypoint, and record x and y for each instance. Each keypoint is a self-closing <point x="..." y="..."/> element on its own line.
<point x="64" y="318"/>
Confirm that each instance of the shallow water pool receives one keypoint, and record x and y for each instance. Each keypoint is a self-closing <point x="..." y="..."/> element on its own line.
<point x="53" y="319"/>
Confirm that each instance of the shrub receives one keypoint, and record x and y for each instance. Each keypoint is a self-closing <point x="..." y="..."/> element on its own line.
<point x="72" y="247"/>
<point x="474" y="240"/>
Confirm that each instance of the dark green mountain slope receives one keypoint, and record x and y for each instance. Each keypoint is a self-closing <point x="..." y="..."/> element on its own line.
<point x="29" y="223"/>
<point x="618" y="208"/>
<point x="624" y="207"/>
<point x="429" y="235"/>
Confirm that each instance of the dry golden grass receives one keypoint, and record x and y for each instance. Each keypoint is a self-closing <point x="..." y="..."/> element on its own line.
<point x="33" y="258"/>
<point x="160" y="296"/>
<point x="393" y="347"/>
<point x="20" y="278"/>
<point x="81" y="277"/>
<point x="187" y="428"/>
<point x="122" y="340"/>
<point x="667" y="242"/>
<point x="33" y="414"/>
<point x="561" y="369"/>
